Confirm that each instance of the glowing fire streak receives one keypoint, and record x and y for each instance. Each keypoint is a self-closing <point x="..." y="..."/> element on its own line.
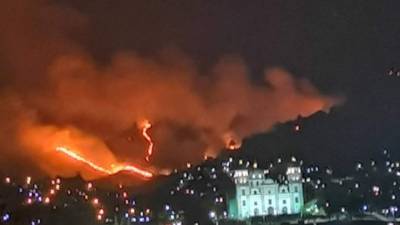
<point x="115" y="168"/>
<point x="81" y="159"/>
<point x="146" y="126"/>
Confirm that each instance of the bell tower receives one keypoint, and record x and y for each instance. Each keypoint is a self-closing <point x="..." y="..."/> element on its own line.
<point x="295" y="188"/>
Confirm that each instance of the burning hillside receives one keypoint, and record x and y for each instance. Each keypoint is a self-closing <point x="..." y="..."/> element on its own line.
<point x="62" y="96"/>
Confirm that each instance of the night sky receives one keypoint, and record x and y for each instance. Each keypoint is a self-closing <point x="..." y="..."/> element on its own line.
<point x="343" y="48"/>
<point x="153" y="92"/>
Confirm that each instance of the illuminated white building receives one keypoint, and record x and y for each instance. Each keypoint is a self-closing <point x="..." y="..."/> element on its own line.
<point x="257" y="195"/>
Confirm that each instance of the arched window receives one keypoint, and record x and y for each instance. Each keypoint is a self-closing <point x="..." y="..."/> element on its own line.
<point x="284" y="210"/>
<point x="256" y="212"/>
<point x="270" y="210"/>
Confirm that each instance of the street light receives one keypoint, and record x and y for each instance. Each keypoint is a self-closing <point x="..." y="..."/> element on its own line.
<point x="213" y="216"/>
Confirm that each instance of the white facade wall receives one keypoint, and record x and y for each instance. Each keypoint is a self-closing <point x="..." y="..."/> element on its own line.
<point x="260" y="196"/>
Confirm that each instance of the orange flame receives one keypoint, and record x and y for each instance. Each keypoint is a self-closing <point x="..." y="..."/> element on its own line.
<point x="233" y="145"/>
<point x="232" y="142"/>
<point x="146" y="125"/>
<point x="115" y="168"/>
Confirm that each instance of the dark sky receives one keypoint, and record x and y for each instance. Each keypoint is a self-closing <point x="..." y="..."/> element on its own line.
<point x="342" y="46"/>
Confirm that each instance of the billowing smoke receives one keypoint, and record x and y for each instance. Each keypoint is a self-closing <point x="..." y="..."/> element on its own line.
<point x="54" y="93"/>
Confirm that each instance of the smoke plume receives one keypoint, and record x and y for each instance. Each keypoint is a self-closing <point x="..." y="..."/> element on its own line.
<point x="53" y="92"/>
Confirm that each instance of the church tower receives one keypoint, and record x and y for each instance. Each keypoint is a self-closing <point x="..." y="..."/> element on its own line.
<point x="294" y="178"/>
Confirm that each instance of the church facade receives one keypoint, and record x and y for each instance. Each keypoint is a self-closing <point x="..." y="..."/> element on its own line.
<point x="257" y="195"/>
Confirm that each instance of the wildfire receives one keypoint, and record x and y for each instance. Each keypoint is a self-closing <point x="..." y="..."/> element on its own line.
<point x="146" y="125"/>
<point x="232" y="142"/>
<point x="114" y="168"/>
<point x="233" y="145"/>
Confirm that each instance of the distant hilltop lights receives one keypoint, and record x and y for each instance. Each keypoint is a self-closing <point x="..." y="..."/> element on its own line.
<point x="233" y="188"/>
<point x="57" y="194"/>
<point x="393" y="72"/>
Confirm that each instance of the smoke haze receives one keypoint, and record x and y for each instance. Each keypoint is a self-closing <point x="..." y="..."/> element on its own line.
<point x="54" y="92"/>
